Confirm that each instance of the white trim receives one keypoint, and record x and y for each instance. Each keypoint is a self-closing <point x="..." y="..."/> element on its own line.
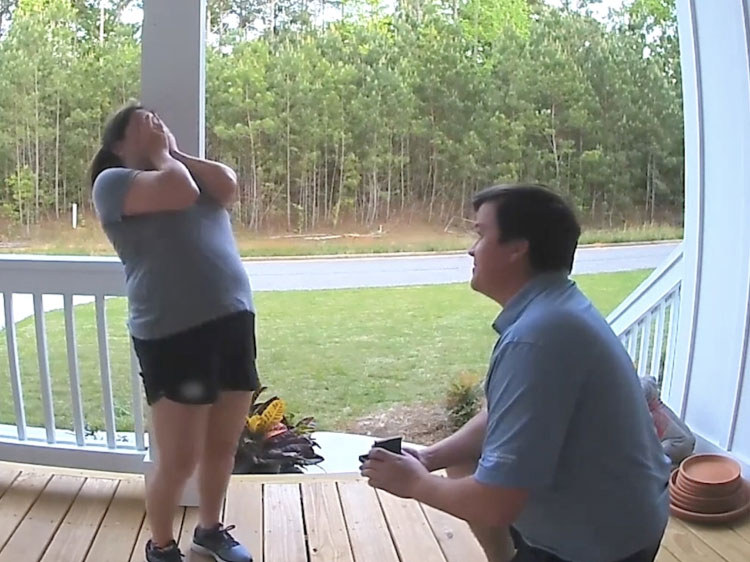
<point x="694" y="225"/>
<point x="746" y="328"/>
<point x="14" y="366"/>
<point x="104" y="370"/>
<point x="71" y="456"/>
<point x="44" y="374"/>
<point x="73" y="373"/>
<point x="668" y="274"/>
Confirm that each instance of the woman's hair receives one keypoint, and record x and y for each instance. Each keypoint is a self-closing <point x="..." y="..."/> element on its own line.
<point x="114" y="132"/>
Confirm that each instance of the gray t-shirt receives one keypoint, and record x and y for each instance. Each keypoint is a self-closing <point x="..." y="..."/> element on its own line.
<point x="182" y="268"/>
<point x="569" y="423"/>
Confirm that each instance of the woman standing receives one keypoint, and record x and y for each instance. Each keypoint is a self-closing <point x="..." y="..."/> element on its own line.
<point x="191" y="317"/>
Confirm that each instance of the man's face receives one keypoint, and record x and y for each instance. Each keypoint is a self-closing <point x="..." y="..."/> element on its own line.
<point x="497" y="264"/>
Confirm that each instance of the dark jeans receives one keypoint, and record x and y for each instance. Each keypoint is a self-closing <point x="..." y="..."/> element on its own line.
<point x="526" y="553"/>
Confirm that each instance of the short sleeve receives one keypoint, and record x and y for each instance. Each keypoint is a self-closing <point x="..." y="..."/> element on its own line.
<point x="531" y="395"/>
<point x="109" y="193"/>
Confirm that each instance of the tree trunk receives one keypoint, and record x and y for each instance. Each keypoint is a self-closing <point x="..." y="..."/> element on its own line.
<point x="337" y="209"/>
<point x="326" y="213"/>
<point x="288" y="162"/>
<point x="390" y="174"/>
<point x="36" y="144"/>
<point x="254" y="208"/>
<point x="57" y="159"/>
<point x="553" y="140"/>
<point x="101" y="22"/>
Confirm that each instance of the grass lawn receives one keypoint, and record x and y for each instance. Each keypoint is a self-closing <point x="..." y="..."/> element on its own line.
<point x="336" y="354"/>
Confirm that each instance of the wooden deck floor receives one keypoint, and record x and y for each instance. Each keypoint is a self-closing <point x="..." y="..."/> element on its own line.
<point x="54" y="515"/>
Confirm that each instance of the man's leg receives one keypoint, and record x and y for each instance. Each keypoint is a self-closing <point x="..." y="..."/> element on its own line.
<point x="496" y="541"/>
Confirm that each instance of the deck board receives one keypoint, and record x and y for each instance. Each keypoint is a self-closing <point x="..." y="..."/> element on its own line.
<point x="115" y="540"/>
<point x="17" y="501"/>
<point x="326" y="529"/>
<point x="368" y="529"/>
<point x="58" y="515"/>
<point x="687" y="546"/>
<point x="244" y="508"/>
<point x="729" y="545"/>
<point x="284" y="536"/>
<point x="145" y="534"/>
<point x="74" y="537"/>
<point x="38" y="528"/>
<point x="411" y="532"/>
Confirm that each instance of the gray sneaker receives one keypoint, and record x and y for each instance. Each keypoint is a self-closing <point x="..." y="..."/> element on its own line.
<point x="218" y="543"/>
<point x="170" y="553"/>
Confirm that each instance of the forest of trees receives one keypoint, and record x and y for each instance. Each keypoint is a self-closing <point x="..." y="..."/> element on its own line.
<point x="365" y="110"/>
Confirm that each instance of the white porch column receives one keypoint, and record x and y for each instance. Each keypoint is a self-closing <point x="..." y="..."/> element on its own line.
<point x="173" y="83"/>
<point x="173" y="67"/>
<point x="710" y="386"/>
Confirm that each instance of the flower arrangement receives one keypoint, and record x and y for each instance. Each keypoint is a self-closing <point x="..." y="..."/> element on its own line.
<point x="272" y="443"/>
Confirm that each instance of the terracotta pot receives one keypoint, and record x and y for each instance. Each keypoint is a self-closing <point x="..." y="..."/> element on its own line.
<point x="710" y="470"/>
<point x="700" y="504"/>
<point x="708" y="490"/>
<point x="713" y="518"/>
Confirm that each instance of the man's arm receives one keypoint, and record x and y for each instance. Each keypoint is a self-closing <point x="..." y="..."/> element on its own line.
<point x="458" y="448"/>
<point x="217" y="179"/>
<point x="466" y="498"/>
<point x="472" y="501"/>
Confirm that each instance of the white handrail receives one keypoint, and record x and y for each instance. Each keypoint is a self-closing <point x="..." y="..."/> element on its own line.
<point x="646" y="321"/>
<point x="26" y="285"/>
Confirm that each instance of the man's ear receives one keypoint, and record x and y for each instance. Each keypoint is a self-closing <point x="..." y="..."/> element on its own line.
<point x="519" y="250"/>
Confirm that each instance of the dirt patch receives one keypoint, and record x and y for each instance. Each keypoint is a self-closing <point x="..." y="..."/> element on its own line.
<point x="423" y="424"/>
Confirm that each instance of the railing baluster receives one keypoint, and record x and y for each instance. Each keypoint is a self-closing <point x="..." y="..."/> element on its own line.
<point x="104" y="369"/>
<point x="674" y="313"/>
<point x="14" y="366"/>
<point x="655" y="370"/>
<point x="632" y="341"/>
<point x="75" y="381"/>
<point x="135" y="381"/>
<point x="643" y="355"/>
<point x="44" y="375"/>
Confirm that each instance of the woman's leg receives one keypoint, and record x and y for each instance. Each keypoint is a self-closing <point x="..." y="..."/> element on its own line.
<point x="178" y="431"/>
<point x="226" y="419"/>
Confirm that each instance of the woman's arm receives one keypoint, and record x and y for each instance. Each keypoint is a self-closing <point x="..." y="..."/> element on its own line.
<point x="217" y="179"/>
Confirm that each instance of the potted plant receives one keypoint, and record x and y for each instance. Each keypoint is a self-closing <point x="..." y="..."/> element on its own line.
<point x="272" y="443"/>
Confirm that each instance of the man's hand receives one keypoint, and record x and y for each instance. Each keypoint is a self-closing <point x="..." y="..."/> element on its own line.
<point x="399" y="475"/>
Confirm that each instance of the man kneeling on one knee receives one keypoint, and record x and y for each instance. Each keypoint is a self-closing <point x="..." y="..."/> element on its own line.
<point x="563" y="464"/>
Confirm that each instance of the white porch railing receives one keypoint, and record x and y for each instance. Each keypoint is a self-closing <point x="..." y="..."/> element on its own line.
<point x="99" y="419"/>
<point x="647" y="320"/>
<point x="29" y="286"/>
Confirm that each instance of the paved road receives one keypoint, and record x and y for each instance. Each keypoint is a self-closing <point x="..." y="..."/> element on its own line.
<point x="338" y="273"/>
<point x="388" y="271"/>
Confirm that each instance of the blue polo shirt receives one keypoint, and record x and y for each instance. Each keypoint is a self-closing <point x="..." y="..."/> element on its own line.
<point x="568" y="422"/>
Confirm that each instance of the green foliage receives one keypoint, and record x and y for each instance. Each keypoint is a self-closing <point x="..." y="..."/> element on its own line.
<point x="463" y="400"/>
<point x="366" y="114"/>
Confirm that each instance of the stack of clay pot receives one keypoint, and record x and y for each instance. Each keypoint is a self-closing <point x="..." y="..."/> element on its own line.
<point x="709" y="488"/>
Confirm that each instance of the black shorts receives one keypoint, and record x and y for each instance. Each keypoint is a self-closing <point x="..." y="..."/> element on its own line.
<point x="194" y="366"/>
<point x="526" y="553"/>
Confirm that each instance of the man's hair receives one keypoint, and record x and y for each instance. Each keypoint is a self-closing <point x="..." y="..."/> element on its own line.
<point x="538" y="215"/>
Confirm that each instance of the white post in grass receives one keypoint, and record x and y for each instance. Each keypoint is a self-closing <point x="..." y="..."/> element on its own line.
<point x="173" y="70"/>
